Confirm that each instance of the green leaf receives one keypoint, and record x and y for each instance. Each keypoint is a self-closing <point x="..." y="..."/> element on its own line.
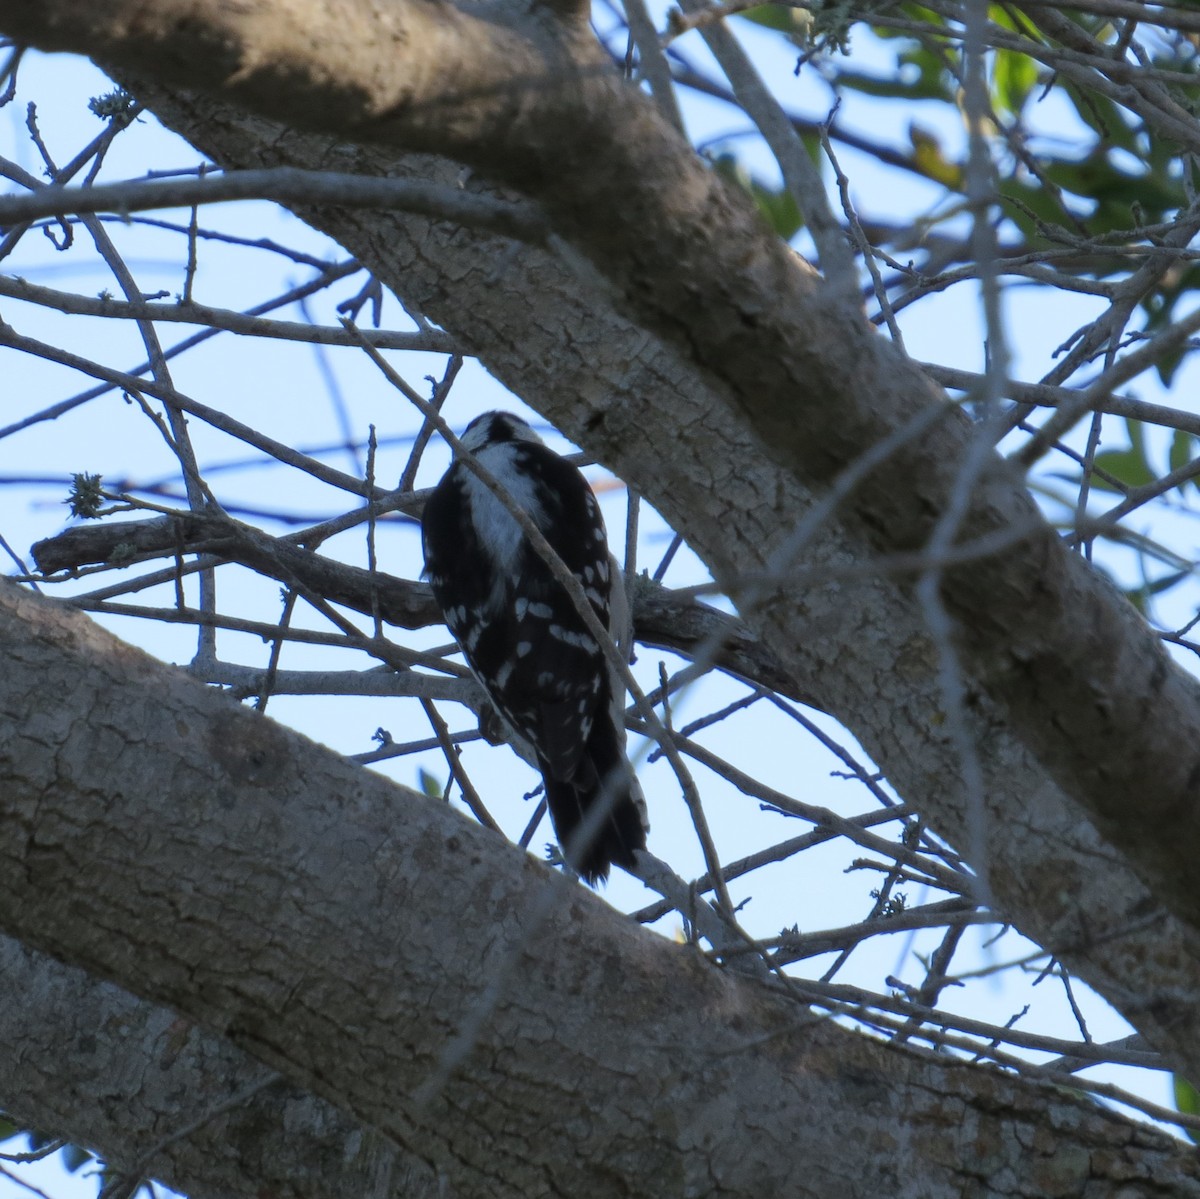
<point x="928" y="156"/>
<point x="1160" y="306"/>
<point x="1103" y="116"/>
<point x="1124" y="465"/>
<point x="912" y="12"/>
<point x="780" y="209"/>
<point x="428" y="785"/>
<point x="1158" y="586"/>
<point x="919" y="75"/>
<point x="1129" y="465"/>
<point x="795" y="22"/>
<point x="73" y="1158"/>
<point x="1187" y="1100"/>
<point x="1115" y="199"/>
<point x="1183" y="450"/>
<point x="1014" y="76"/>
<point x="1141" y="596"/>
<point x="777" y="205"/>
<point x="1167" y="365"/>
<point x="1008" y="18"/>
<point x="1146" y="548"/>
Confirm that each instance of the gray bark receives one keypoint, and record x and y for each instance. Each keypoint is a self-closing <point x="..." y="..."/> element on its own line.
<point x="129" y="1077"/>
<point x="348" y="932"/>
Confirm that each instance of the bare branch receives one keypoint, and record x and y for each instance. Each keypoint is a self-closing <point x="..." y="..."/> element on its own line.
<point x="285" y="185"/>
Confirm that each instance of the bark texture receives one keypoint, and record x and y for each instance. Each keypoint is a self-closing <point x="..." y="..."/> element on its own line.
<point x="346" y="932"/>
<point x="165" y="1099"/>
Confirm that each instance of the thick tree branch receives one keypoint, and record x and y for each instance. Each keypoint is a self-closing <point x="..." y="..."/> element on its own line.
<point x="343" y="931"/>
<point x="661" y="618"/>
<point x="120" y="1075"/>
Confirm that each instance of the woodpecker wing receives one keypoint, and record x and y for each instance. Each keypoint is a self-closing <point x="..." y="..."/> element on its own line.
<point x="517" y="625"/>
<point x="525" y="639"/>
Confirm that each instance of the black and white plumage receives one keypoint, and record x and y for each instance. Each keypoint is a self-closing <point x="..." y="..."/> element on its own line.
<point x="524" y="638"/>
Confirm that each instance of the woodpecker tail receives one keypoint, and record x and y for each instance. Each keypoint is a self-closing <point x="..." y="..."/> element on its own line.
<point x="599" y="813"/>
<point x="614" y="838"/>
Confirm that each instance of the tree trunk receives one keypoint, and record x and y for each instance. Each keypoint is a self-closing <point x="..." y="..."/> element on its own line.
<point x="167" y="1100"/>
<point x="500" y="1024"/>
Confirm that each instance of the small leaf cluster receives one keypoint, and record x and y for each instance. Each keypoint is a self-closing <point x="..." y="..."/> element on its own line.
<point x="86" y="497"/>
<point x="116" y="103"/>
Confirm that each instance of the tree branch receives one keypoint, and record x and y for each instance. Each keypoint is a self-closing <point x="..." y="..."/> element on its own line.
<point x="341" y="929"/>
<point x="113" y="1072"/>
<point x="248" y="325"/>
<point x="284" y="185"/>
<point x="661" y="618"/>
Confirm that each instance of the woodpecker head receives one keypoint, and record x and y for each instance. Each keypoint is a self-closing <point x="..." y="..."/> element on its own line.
<point x="493" y="428"/>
